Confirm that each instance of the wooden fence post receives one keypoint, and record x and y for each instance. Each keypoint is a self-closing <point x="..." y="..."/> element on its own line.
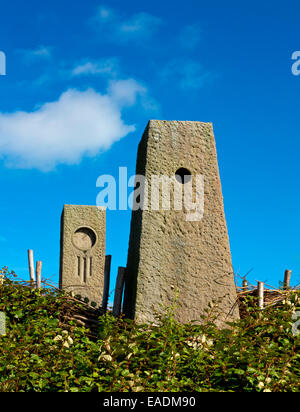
<point x="106" y="282"/>
<point x="38" y="274"/>
<point x="2" y="324"/>
<point x="245" y="284"/>
<point x="119" y="292"/>
<point x="260" y="292"/>
<point x="287" y="279"/>
<point x="31" y="265"/>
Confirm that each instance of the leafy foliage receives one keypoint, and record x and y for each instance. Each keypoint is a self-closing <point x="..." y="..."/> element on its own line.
<point x="39" y="353"/>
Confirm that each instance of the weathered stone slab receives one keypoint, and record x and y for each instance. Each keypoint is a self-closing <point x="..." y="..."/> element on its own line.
<point x="82" y="256"/>
<point x="170" y="252"/>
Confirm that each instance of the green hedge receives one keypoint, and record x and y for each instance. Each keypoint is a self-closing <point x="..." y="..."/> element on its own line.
<point x="38" y="353"/>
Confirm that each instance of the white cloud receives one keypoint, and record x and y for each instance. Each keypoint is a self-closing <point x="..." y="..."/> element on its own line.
<point x="41" y="52"/>
<point x="100" y="67"/>
<point x="124" y="92"/>
<point x="140" y="23"/>
<point x="137" y="27"/>
<point x="79" y="123"/>
<point x="60" y="72"/>
<point x="188" y="74"/>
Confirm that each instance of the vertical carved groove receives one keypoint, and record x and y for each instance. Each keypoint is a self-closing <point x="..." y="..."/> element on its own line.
<point x="78" y="266"/>
<point x="84" y="269"/>
<point x="91" y="266"/>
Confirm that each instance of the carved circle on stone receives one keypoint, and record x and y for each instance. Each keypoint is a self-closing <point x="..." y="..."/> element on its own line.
<point x="84" y="238"/>
<point x="183" y="175"/>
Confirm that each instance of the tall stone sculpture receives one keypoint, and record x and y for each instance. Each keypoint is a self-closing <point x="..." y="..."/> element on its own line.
<point x="179" y="253"/>
<point x="82" y="256"/>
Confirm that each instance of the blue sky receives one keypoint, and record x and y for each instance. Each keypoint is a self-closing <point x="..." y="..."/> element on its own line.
<point x="228" y="63"/>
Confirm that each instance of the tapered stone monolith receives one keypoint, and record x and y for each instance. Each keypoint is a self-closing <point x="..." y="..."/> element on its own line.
<point x="180" y="254"/>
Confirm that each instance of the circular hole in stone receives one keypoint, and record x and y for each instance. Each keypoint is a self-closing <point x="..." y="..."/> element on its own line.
<point x="183" y="175"/>
<point x="84" y="238"/>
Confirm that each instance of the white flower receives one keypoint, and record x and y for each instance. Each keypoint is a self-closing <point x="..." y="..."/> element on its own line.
<point x="202" y="339"/>
<point x="260" y="385"/>
<point x="138" y="389"/>
<point x="1" y="279"/>
<point x="268" y="380"/>
<point x="267" y="390"/>
<point x="66" y="340"/>
<point x="107" y="347"/>
<point x="58" y="338"/>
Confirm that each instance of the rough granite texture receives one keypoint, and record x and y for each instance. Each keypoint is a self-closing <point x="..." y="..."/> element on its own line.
<point x="82" y="254"/>
<point x="168" y="255"/>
